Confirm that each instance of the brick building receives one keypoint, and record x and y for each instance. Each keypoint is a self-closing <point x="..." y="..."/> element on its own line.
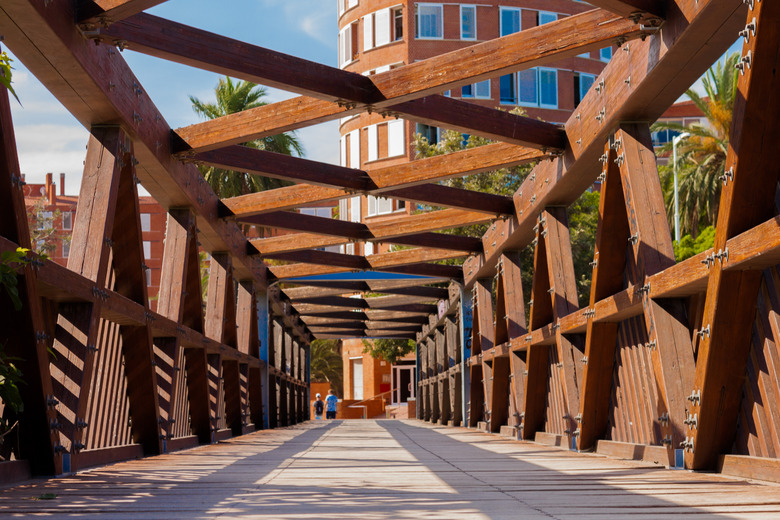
<point x="379" y="35"/>
<point x="48" y="206"/>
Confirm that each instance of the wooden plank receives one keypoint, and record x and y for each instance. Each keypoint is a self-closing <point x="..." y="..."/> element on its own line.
<point x="665" y="321"/>
<point x="537" y="357"/>
<point x="560" y="266"/>
<point x="746" y="201"/>
<point x="629" y="451"/>
<point x="601" y="338"/>
<point x="756" y="468"/>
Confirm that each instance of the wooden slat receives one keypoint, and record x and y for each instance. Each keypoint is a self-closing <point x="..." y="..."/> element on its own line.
<point x="630" y="8"/>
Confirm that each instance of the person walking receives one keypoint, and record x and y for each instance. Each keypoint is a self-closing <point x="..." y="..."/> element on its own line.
<point x="330" y="403"/>
<point x="319" y="407"/>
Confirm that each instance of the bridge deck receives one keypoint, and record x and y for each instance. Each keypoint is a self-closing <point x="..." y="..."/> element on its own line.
<point x="389" y="470"/>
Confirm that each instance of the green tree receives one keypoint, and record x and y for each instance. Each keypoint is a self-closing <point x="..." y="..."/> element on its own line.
<point x="43" y="235"/>
<point x="388" y="349"/>
<point x="236" y="96"/>
<point x="327" y="366"/>
<point x="702" y="156"/>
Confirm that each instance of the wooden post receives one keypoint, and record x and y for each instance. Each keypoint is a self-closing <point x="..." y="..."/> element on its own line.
<point x="747" y="199"/>
<point x="25" y="331"/>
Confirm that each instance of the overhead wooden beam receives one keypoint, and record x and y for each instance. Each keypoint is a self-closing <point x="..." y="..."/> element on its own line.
<point x="391" y="179"/>
<point x="190" y="46"/>
<point x="327" y="258"/>
<point x="647" y="11"/>
<point x="536" y="46"/>
<point x="106" y="12"/>
<point x="656" y="82"/>
<point x="334" y="315"/>
<point x="287" y="167"/>
<point x="389" y="230"/>
<point x="439" y="195"/>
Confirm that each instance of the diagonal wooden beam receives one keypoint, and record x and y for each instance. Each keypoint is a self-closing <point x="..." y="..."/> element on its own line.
<point x="105" y="12"/>
<point x="280" y="166"/>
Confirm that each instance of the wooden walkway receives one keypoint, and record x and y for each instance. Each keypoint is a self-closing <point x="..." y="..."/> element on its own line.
<point x="386" y="470"/>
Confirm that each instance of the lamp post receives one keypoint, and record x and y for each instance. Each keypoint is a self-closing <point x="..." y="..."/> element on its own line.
<point x="675" y="141"/>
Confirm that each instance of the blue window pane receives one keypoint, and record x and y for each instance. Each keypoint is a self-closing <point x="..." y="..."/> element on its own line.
<point x="605" y="54"/>
<point x="467" y="91"/>
<point x="586" y="81"/>
<point x="482" y="89"/>
<point x="529" y="93"/>
<point x="507" y="87"/>
<point x="545" y="17"/>
<point x="510" y="21"/>
<point x="429" y="21"/>
<point x="468" y="22"/>
<point x="548" y="88"/>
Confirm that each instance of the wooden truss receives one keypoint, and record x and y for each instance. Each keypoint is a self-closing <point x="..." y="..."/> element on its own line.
<point x="660" y="356"/>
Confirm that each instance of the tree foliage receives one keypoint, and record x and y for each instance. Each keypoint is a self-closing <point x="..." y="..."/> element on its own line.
<point x="43" y="235"/>
<point x="689" y="246"/>
<point x="327" y="366"/>
<point x="391" y="350"/>
<point x="236" y="96"/>
<point x="702" y="156"/>
<point x="5" y="73"/>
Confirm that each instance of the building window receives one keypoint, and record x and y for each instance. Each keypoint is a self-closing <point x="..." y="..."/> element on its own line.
<point x="468" y="22"/>
<point x="148" y="277"/>
<point x="479" y="90"/>
<point x="662" y="137"/>
<point x="382" y="27"/>
<point x="431" y="133"/>
<point x="348" y="46"/>
<point x="398" y="23"/>
<point x="368" y="32"/>
<point x="67" y="221"/>
<point x="510" y="20"/>
<point x="582" y="84"/>
<point x="430" y="21"/>
<point x="146" y="222"/>
<point x="147" y="249"/>
<point x="45" y="220"/>
<point x="605" y="54"/>
<point x="538" y="87"/>
<point x="546" y="17"/>
<point x="396" y="142"/>
<point x="65" y="248"/>
<point x="548" y="88"/>
<point x="379" y="206"/>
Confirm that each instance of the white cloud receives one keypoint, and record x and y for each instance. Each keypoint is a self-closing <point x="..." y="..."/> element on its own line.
<point x="52" y="148"/>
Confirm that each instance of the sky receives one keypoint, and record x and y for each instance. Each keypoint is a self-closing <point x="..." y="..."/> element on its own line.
<point x="49" y="139"/>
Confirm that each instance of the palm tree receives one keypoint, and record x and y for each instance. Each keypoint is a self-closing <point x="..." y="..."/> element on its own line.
<point x="326" y="363"/>
<point x="236" y="96"/>
<point x="702" y="155"/>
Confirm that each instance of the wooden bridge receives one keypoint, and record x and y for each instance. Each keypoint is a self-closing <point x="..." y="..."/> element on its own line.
<point x="674" y="361"/>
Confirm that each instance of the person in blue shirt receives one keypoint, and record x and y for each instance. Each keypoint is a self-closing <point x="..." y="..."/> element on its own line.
<point x="330" y="405"/>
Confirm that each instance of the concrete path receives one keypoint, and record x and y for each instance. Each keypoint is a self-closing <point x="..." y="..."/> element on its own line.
<point x="386" y="470"/>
